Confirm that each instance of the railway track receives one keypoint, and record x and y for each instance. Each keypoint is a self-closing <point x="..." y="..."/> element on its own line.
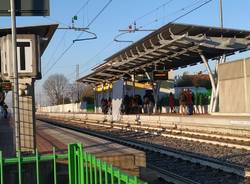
<point x="203" y="137"/>
<point x="225" y="147"/>
<point x="172" y="162"/>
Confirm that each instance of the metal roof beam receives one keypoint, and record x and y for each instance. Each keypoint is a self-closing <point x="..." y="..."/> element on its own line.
<point x="86" y="80"/>
<point x="104" y="74"/>
<point x="96" y="79"/>
<point x="219" y="42"/>
<point x="147" y="56"/>
<point x="147" y="51"/>
<point x="115" y="70"/>
<point x="165" y="58"/>
<point x="155" y="54"/>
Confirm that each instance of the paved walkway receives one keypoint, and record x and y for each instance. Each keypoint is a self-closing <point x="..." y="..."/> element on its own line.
<point x="6" y="138"/>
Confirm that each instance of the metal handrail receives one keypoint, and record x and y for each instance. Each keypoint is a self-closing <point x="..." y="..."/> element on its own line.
<point x="83" y="167"/>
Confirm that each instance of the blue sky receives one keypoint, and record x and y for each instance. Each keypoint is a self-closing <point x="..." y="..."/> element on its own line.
<point x="119" y="15"/>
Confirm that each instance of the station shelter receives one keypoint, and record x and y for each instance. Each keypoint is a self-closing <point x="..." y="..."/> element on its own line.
<point x="169" y="48"/>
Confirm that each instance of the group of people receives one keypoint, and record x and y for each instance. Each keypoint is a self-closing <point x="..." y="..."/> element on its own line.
<point x="137" y="105"/>
<point x="131" y="105"/>
<point x="186" y="101"/>
<point x="106" y="105"/>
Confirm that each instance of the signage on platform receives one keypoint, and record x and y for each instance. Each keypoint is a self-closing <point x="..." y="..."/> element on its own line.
<point x="160" y="75"/>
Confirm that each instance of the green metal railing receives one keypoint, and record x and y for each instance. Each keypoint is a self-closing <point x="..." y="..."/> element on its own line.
<point x="83" y="168"/>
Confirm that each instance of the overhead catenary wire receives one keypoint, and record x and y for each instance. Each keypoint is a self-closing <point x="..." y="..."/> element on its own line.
<point x="57" y="47"/>
<point x="80" y="34"/>
<point x="93" y="20"/>
<point x="152" y="11"/>
<point x="195" y="2"/>
<point x="64" y="34"/>
<point x="174" y="20"/>
<point x="59" y="43"/>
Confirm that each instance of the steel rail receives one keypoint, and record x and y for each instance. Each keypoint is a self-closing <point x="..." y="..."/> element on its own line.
<point x="186" y="135"/>
<point x="171" y="177"/>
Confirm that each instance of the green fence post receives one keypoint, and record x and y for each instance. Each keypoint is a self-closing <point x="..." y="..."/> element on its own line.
<point x="100" y="171"/>
<point x="75" y="168"/>
<point x="126" y="179"/>
<point x="71" y="164"/>
<point x="112" y="174"/>
<point x="81" y="163"/>
<point x="119" y="177"/>
<point x="95" y="171"/>
<point x="76" y="164"/>
<point x="90" y="169"/>
<point x="37" y="168"/>
<point x="136" y="180"/>
<point x="19" y="167"/>
<point x="106" y="172"/>
<point x="1" y="166"/>
<point x="86" y="167"/>
<point x="54" y="165"/>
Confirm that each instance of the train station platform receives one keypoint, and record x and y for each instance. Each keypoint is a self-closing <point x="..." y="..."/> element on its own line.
<point x="221" y="124"/>
<point x="127" y="159"/>
<point x="7" y="138"/>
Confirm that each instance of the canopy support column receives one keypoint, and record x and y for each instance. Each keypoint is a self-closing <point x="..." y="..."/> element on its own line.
<point x="133" y="81"/>
<point x="205" y="61"/>
<point x="156" y="90"/>
<point x="95" y="99"/>
<point x="216" y="97"/>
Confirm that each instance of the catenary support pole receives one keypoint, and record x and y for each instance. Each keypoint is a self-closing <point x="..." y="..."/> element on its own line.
<point x="221" y="14"/>
<point x="15" y="71"/>
<point x="77" y="83"/>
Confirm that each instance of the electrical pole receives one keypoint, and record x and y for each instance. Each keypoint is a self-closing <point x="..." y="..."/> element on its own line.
<point x="221" y="14"/>
<point x="15" y="71"/>
<point x="77" y="83"/>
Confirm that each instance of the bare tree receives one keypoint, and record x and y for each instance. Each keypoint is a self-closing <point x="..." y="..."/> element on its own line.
<point x="79" y="90"/>
<point x="55" y="88"/>
<point x="87" y="91"/>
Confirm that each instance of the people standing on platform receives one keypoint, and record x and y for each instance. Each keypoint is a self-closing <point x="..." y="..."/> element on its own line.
<point x="196" y="103"/>
<point x="109" y="104"/>
<point x="171" y="102"/>
<point x="183" y="102"/>
<point x="134" y="105"/>
<point x="139" y="101"/>
<point x="189" y="102"/>
<point x="151" y="103"/>
<point x="104" y="106"/>
<point x="146" y="103"/>
<point x="125" y="105"/>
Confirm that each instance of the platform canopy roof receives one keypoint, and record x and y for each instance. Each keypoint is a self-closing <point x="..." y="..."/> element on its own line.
<point x="44" y="31"/>
<point x="170" y="47"/>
